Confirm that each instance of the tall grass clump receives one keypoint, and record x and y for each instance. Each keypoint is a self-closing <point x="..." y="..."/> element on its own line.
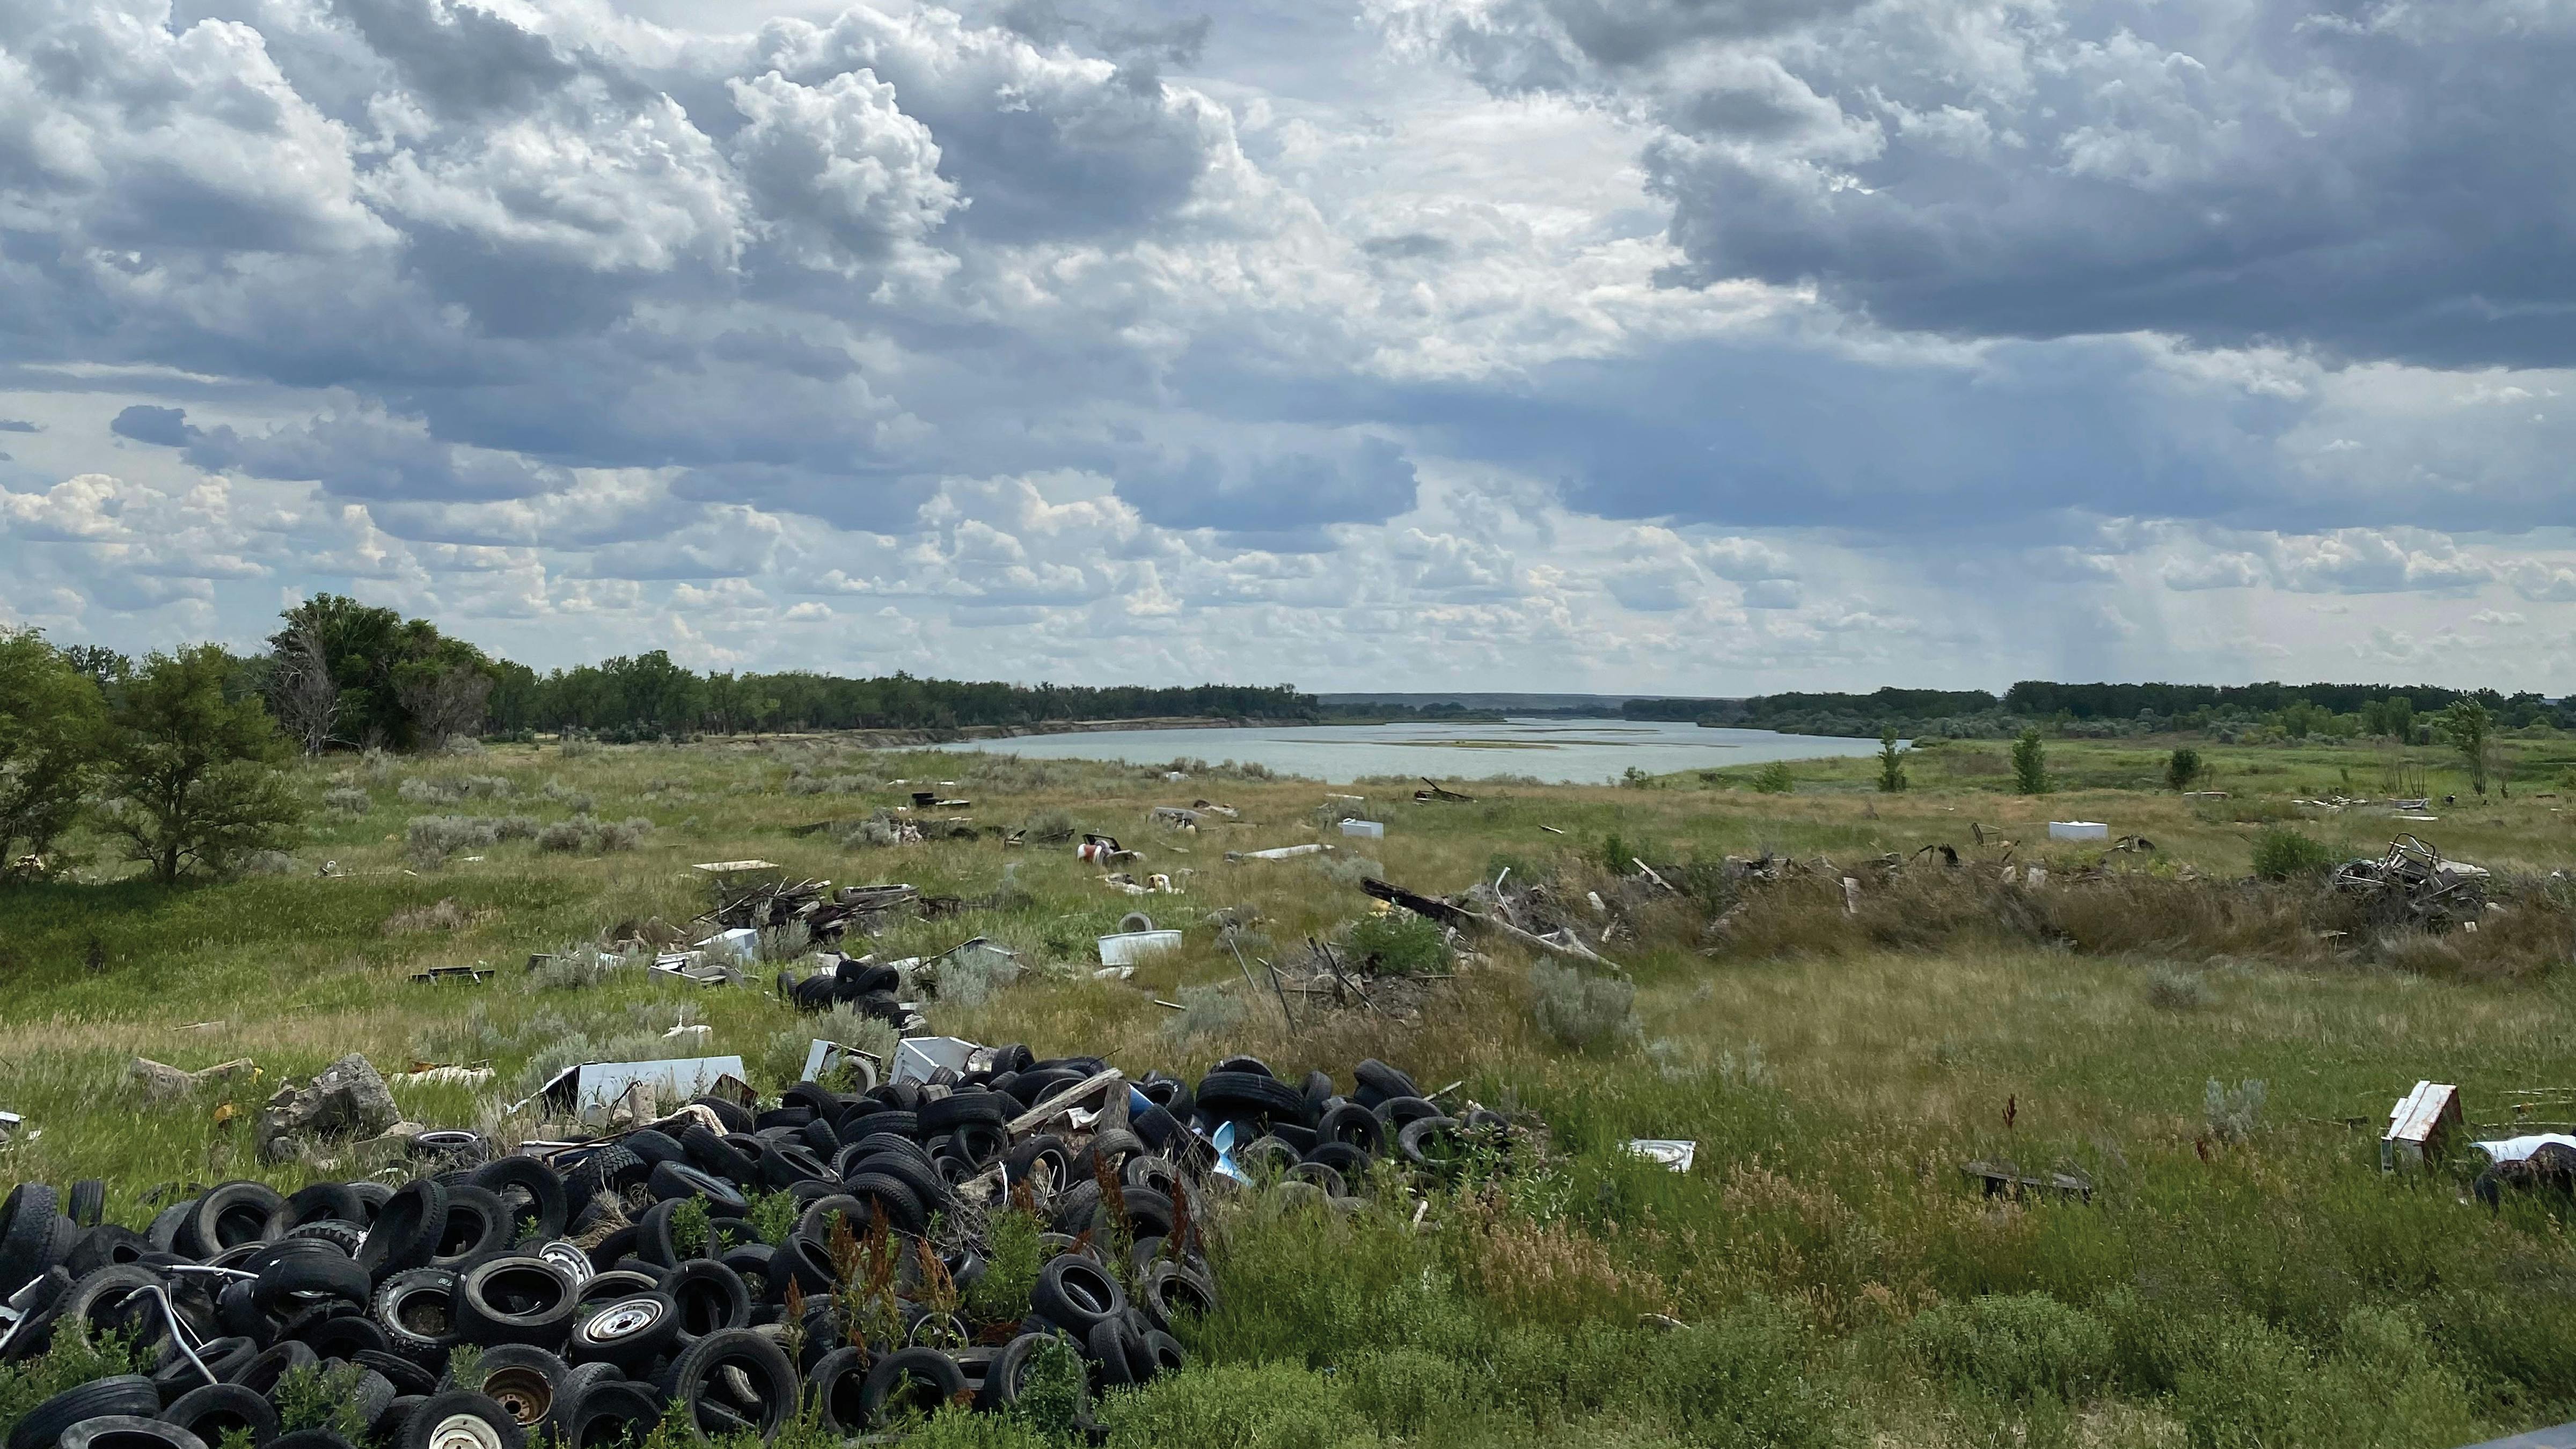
<point x="1582" y="1012"/>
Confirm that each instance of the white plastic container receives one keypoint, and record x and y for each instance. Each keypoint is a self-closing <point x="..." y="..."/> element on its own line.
<point x="1129" y="947"/>
<point x="1372" y="829"/>
<point x="2078" y="830"/>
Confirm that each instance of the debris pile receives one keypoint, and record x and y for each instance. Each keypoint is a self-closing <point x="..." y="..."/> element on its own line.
<point x="720" y="1270"/>
<point x="2412" y="885"/>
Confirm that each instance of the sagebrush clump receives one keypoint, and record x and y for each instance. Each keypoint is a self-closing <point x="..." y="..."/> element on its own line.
<point x="1581" y="1011"/>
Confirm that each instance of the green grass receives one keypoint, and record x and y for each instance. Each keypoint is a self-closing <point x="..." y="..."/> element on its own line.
<point x="1839" y="1280"/>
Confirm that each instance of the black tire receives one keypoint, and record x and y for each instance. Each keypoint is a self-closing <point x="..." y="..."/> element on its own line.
<point x="783" y="1164"/>
<point x="88" y="1202"/>
<point x="1077" y="1292"/>
<point x="1169" y="1093"/>
<point x="106" y="1246"/>
<point x="344" y="1335"/>
<point x="215" y="1410"/>
<point x="407" y="1229"/>
<point x="651" y="1147"/>
<point x="1245" y="1095"/>
<point x="959" y="1108"/>
<point x="417" y="1310"/>
<point x="707" y="1400"/>
<point x="1353" y="1164"/>
<point x="524" y="1381"/>
<point x="1106" y="1346"/>
<point x="1007" y="1374"/>
<point x="919" y="1174"/>
<point x="408" y="1378"/>
<point x="882" y="1192"/>
<point x="616" y="1283"/>
<point x="1166" y="1352"/>
<point x="1435" y="1145"/>
<point x="529" y="1190"/>
<point x="229" y="1215"/>
<point x="836" y="1386"/>
<point x="1114" y="1145"/>
<point x="809" y="1263"/>
<point x="1397" y="1112"/>
<point x="629" y="1331"/>
<point x="711" y="1299"/>
<point x="1352" y="1125"/>
<point x="223" y="1357"/>
<point x="128" y="1431"/>
<point x="273" y="1363"/>
<point x="320" y="1202"/>
<point x="514" y="1300"/>
<point x="613" y="1414"/>
<point x="874" y="1142"/>
<point x="734" y="1118"/>
<point x="103" y="1304"/>
<point x="683" y="1180"/>
<point x="340" y="1233"/>
<point x="477" y="1225"/>
<point x="460" y="1419"/>
<point x="820" y="1138"/>
<point x="371" y="1395"/>
<point x="44" y="1424"/>
<point x="1172" y="1292"/>
<point x="323" y="1273"/>
<point x="27" y="1242"/>
<point x="713" y="1154"/>
<point x="910" y="1381"/>
<point x="311" y="1439"/>
<point x="758" y="1267"/>
<point x="1381" y="1082"/>
<point x="163" y="1231"/>
<point x="1020" y="1163"/>
<point x="1249" y="1066"/>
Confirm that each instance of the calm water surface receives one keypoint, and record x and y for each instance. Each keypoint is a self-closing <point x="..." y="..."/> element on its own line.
<point x="1577" y="751"/>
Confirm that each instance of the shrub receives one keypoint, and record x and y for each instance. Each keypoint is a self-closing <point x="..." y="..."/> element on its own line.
<point x="2176" y="990"/>
<point x="265" y="862"/>
<point x="1775" y="779"/>
<point x="1742" y="1381"/>
<point x="2016" y="1346"/>
<point x="1206" y="1011"/>
<point x="2030" y="763"/>
<point x="349" y="801"/>
<point x="1013" y="1255"/>
<point x="1229" y="1406"/>
<point x="318" y="1396"/>
<point x="2183" y="769"/>
<point x="2281" y="853"/>
<point x="1348" y="870"/>
<point x="1399" y="943"/>
<point x="430" y="839"/>
<point x="563" y="835"/>
<point x="1583" y="1012"/>
<point x="515" y="827"/>
<point x="2233" y="1113"/>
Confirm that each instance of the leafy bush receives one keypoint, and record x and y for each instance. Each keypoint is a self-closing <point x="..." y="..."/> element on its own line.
<point x="430" y="839"/>
<point x="348" y="801"/>
<point x="1399" y="943"/>
<point x="318" y="1396"/>
<point x="2281" y="853"/>
<point x="1207" y="1011"/>
<point x="2016" y="1346"/>
<point x="1584" y="1012"/>
<point x="585" y="835"/>
<point x="1231" y="1406"/>
<point x="1775" y="779"/>
<point x="1012" y="1258"/>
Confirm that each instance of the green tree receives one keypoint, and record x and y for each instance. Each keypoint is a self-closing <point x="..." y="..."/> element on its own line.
<point x="1891" y="761"/>
<point x="50" y="714"/>
<point x="2183" y="769"/>
<point x="2393" y="716"/>
<point x="2470" y="727"/>
<point x="2030" y="763"/>
<point x="191" y="775"/>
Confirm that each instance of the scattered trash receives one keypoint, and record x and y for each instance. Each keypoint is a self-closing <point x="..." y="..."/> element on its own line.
<point x="1278" y="852"/>
<point x="824" y="1058"/>
<point x="1434" y="791"/>
<point x="1210" y="807"/>
<point x="1174" y="816"/>
<point x="742" y="943"/>
<point x="2078" y="830"/>
<point x="473" y="975"/>
<point x="591" y="1089"/>
<point x="1103" y="850"/>
<point x="429" y="1075"/>
<point x="2420" y="1122"/>
<point x="1672" y="1153"/>
<point x="162" y="1083"/>
<point x="921" y="1058"/>
<point x="1560" y="942"/>
<point x="2004" y="1179"/>
<point x="1129" y="947"/>
<point x="1366" y="829"/>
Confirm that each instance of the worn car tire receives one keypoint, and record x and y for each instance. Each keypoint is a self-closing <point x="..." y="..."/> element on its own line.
<point x="407" y="1229"/>
<point x="514" y="1300"/>
<point x="417" y="1310"/>
<point x="229" y="1215"/>
<point x="629" y="1331"/>
<point x="909" y="1380"/>
<point x="711" y="1400"/>
<point x="529" y="1190"/>
<point x="1077" y="1292"/>
<point x="215" y="1410"/>
<point x="44" y="1424"/>
<point x="127" y="1431"/>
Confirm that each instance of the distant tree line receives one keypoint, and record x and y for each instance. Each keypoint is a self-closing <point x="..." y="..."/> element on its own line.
<point x="177" y="755"/>
<point x="2100" y="711"/>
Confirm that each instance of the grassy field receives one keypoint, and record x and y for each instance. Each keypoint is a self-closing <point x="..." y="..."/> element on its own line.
<point x="2242" y="1275"/>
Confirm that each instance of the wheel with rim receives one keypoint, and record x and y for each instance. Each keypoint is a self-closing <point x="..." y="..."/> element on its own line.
<point x="629" y="1332"/>
<point x="461" y="1419"/>
<point x="524" y="1381"/>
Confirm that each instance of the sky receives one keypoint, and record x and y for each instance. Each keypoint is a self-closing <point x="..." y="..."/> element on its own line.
<point x="1635" y="346"/>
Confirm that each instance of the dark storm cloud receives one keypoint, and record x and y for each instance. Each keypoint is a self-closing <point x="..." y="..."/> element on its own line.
<point x="2377" y="181"/>
<point x="166" y="427"/>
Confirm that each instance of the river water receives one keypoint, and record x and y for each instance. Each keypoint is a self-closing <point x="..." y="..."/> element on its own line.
<point x="1559" y="751"/>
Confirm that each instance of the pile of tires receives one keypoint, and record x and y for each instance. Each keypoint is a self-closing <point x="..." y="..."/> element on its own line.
<point x="589" y="1293"/>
